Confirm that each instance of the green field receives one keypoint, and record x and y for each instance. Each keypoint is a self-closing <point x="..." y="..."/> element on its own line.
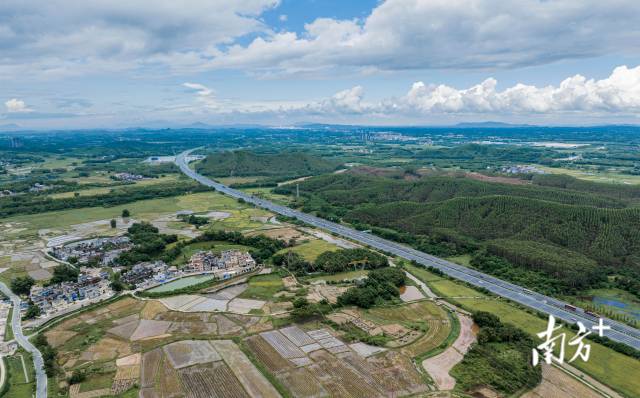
<point x="464" y="259"/>
<point x="116" y="186"/>
<point x="141" y="210"/>
<point x="593" y="175"/>
<point x="263" y="287"/>
<point x="312" y="249"/>
<point x="18" y="386"/>
<point x="604" y="363"/>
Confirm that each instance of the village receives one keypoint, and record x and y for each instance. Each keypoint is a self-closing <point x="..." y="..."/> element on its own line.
<point x="93" y="283"/>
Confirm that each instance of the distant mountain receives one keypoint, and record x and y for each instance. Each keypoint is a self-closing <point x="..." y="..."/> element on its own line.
<point x="490" y="124"/>
<point x="10" y="127"/>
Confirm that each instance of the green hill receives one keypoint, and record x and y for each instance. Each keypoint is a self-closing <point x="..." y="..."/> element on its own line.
<point x="283" y="164"/>
<point x="574" y="236"/>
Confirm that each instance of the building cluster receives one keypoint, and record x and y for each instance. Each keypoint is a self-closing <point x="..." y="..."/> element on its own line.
<point x="91" y="284"/>
<point x="522" y="169"/>
<point x="149" y="272"/>
<point x="38" y="187"/>
<point x="104" y="251"/>
<point x="6" y="192"/>
<point x="127" y="177"/>
<point x="227" y="260"/>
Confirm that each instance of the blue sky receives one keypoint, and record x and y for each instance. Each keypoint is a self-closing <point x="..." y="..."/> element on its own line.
<point x="116" y="63"/>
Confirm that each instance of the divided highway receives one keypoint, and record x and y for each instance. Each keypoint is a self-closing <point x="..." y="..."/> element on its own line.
<point x="619" y="332"/>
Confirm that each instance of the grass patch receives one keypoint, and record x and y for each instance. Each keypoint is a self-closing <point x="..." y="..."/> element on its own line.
<point x="464" y="259"/>
<point x="97" y="381"/>
<point x="141" y="210"/>
<point x="18" y="386"/>
<point x="263" y="287"/>
<point x="312" y="249"/>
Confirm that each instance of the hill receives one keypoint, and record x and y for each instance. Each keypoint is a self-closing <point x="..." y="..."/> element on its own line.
<point x="283" y="164"/>
<point x="571" y="238"/>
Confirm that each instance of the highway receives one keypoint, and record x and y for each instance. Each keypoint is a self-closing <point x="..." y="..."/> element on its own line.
<point x="539" y="302"/>
<point x="38" y="363"/>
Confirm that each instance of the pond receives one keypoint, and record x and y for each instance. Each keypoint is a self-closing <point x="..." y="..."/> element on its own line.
<point x="182" y="282"/>
<point x="619" y="305"/>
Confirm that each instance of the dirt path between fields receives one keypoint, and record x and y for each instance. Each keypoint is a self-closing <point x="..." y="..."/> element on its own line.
<point x="439" y="366"/>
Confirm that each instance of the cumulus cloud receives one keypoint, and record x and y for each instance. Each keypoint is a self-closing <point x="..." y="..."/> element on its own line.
<point x="61" y="37"/>
<point x="204" y="95"/>
<point x="465" y="34"/>
<point x="55" y="37"/>
<point x="617" y="94"/>
<point x="620" y="92"/>
<point x="15" y="105"/>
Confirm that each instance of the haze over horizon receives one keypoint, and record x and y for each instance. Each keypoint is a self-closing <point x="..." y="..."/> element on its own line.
<point x="116" y="64"/>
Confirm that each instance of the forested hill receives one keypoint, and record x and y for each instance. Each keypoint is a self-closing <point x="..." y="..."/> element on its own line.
<point x="570" y="237"/>
<point x="612" y="236"/>
<point x="243" y="163"/>
<point x="350" y="190"/>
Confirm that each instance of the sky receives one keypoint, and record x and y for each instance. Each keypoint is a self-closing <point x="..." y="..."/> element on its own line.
<point x="163" y="63"/>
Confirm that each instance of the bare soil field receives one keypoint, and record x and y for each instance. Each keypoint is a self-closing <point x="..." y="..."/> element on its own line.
<point x="150" y="365"/>
<point x="148" y="329"/>
<point x="214" y="380"/>
<point x="186" y="353"/>
<point x="251" y="379"/>
<point x="331" y="367"/>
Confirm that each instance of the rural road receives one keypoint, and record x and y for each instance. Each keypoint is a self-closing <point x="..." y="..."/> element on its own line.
<point x="539" y="302"/>
<point x="38" y="363"/>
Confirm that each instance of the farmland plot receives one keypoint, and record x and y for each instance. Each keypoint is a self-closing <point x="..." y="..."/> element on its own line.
<point x="252" y="380"/>
<point x="150" y="365"/>
<point x="213" y="380"/>
<point x="182" y="354"/>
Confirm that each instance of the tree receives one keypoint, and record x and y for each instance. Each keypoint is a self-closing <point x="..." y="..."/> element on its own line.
<point x="22" y="285"/>
<point x="64" y="273"/>
<point x="33" y="311"/>
<point x="76" y="194"/>
<point x="113" y="223"/>
<point x="116" y="284"/>
<point x="77" y="376"/>
<point x="126" y="213"/>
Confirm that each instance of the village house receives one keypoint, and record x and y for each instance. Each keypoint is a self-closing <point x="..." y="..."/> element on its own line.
<point x="54" y="297"/>
<point x="103" y="250"/>
<point x="148" y="271"/>
<point x="228" y="259"/>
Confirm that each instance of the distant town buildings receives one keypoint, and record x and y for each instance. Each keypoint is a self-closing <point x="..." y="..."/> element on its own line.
<point x="522" y="169"/>
<point x="127" y="177"/>
<point x="37" y="187"/>
<point x="104" y="251"/>
<point x="6" y="192"/>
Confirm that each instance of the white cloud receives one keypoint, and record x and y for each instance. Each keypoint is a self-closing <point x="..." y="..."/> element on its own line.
<point x="204" y="95"/>
<point x="464" y="34"/>
<point x="283" y="18"/>
<point x="15" y="105"/>
<point x="59" y="37"/>
<point x="618" y="94"/>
